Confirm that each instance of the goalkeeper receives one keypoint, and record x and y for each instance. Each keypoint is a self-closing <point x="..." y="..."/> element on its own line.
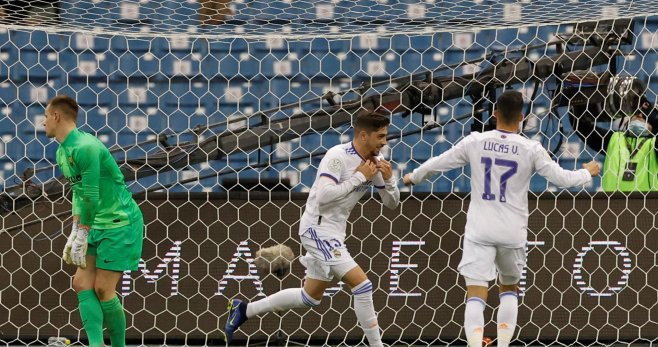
<point x="108" y="227"/>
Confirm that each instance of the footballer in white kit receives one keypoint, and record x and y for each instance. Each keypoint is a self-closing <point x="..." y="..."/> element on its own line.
<point x="323" y="224"/>
<point x="345" y="174"/>
<point x="502" y="164"/>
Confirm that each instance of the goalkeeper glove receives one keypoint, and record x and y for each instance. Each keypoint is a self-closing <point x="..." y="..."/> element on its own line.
<point x="69" y="243"/>
<point x="79" y="248"/>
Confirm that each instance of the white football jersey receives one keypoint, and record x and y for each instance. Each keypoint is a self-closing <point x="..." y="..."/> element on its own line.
<point x="502" y="164"/>
<point x="339" y="166"/>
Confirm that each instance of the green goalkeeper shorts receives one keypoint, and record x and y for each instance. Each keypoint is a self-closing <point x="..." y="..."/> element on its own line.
<point x="117" y="249"/>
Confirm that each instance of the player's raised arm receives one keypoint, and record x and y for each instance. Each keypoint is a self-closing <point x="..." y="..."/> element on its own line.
<point x="559" y="176"/>
<point x="455" y="157"/>
<point x="388" y="189"/>
<point x="329" y="188"/>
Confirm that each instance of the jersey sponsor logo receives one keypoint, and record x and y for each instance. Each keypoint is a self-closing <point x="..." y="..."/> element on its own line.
<point x="74" y="179"/>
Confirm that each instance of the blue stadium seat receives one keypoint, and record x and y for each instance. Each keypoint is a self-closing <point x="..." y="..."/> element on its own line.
<point x="368" y="64"/>
<point x="87" y="93"/>
<point x="34" y="40"/>
<point x="28" y="119"/>
<point x="93" y="118"/>
<point x="642" y="65"/>
<point x="234" y="93"/>
<point x="138" y="65"/>
<point x="8" y="93"/>
<point x="322" y="45"/>
<point x="277" y="10"/>
<point x="182" y="117"/>
<point x="15" y="150"/>
<point x="129" y="15"/>
<point x="366" y="11"/>
<point x="457" y="57"/>
<point x="179" y="46"/>
<point x="406" y="63"/>
<point x="36" y="147"/>
<point x="8" y="126"/>
<point x="278" y="66"/>
<point x="225" y="65"/>
<point x="418" y="43"/>
<point x="176" y="117"/>
<point x="80" y="42"/>
<point x="35" y="66"/>
<point x="116" y="121"/>
<point x="88" y="64"/>
<point x="243" y="12"/>
<point x="370" y="43"/>
<point x="134" y="94"/>
<point x="29" y="94"/>
<point x="320" y="65"/>
<point x="280" y="92"/>
<point x="84" y="13"/>
<point x="472" y="12"/>
<point x="286" y="91"/>
<point x="6" y="64"/>
<point x="233" y="45"/>
<point x="175" y="14"/>
<point x="4" y="35"/>
<point x="329" y="138"/>
<point x="190" y="94"/>
<point x="172" y="66"/>
<point x="120" y="44"/>
<point x="250" y="67"/>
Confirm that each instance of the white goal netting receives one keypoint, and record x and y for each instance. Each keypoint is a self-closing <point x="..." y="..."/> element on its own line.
<point x="219" y="112"/>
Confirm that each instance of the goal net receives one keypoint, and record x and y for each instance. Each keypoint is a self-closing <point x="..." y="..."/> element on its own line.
<point x="219" y="112"/>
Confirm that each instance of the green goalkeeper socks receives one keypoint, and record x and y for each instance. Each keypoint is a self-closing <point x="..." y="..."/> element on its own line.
<point x="115" y="321"/>
<point x="92" y="317"/>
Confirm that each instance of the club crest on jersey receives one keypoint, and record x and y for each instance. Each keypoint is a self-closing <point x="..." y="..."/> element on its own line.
<point x="334" y="165"/>
<point x="337" y="253"/>
<point x="71" y="160"/>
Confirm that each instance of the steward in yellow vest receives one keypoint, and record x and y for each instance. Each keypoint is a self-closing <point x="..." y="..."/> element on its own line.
<point x="631" y="153"/>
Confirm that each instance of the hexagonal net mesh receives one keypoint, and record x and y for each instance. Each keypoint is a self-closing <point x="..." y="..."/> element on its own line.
<point x="327" y="18"/>
<point x="219" y="113"/>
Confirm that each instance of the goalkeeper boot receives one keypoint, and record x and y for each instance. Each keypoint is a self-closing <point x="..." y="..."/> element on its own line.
<point x="237" y="314"/>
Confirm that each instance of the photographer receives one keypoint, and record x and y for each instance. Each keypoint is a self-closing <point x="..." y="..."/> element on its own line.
<point x="631" y="162"/>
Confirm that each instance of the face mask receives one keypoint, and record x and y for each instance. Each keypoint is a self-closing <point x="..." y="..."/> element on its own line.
<point x="638" y="128"/>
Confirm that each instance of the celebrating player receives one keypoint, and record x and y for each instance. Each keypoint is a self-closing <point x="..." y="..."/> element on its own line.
<point x="346" y="172"/>
<point x="502" y="163"/>
<point x="108" y="228"/>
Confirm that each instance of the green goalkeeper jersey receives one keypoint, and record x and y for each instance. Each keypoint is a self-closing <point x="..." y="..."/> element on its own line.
<point x="100" y="195"/>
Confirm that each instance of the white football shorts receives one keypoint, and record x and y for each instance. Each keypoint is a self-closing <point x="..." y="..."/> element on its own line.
<point x="326" y="256"/>
<point x="481" y="262"/>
